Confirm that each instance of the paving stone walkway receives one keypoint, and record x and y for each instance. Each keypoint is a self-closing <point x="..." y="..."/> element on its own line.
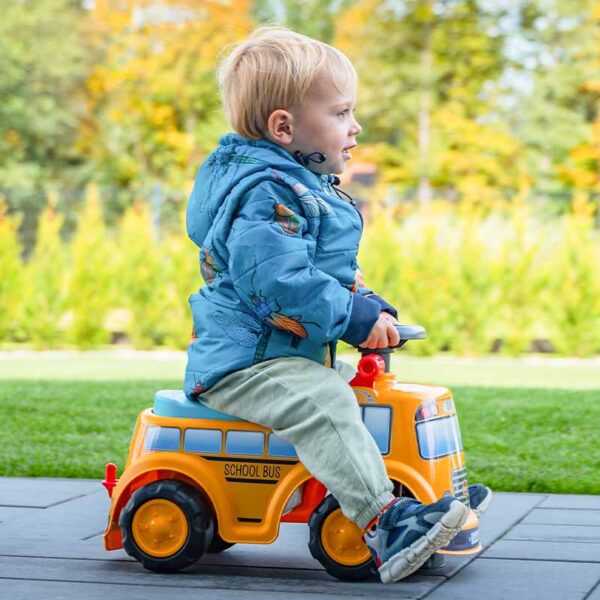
<point x="536" y="546"/>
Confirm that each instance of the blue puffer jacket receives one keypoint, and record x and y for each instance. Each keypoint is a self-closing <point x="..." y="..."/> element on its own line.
<point x="278" y="250"/>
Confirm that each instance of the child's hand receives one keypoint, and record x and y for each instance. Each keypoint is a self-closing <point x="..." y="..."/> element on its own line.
<point x="383" y="333"/>
<point x="390" y="318"/>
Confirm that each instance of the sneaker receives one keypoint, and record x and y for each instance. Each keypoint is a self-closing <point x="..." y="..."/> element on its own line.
<point x="408" y="533"/>
<point x="480" y="497"/>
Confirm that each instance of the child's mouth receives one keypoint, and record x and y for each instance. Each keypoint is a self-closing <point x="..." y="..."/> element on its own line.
<point x="346" y="152"/>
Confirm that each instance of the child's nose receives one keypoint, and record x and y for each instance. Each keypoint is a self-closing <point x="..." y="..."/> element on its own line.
<point x="356" y="128"/>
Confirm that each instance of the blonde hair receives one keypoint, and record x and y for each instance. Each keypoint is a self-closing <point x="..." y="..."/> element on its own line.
<point x="274" y="69"/>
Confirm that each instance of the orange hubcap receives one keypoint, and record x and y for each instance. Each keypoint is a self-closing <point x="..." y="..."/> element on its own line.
<point x="343" y="540"/>
<point x="160" y="528"/>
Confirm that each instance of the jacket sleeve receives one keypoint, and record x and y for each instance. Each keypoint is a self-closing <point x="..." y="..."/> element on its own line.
<point x="272" y="272"/>
<point x="365" y="292"/>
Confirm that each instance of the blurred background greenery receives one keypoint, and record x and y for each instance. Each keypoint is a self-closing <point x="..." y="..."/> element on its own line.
<point x="478" y="169"/>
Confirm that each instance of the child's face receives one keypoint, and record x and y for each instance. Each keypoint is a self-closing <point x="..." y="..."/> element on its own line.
<point x="325" y="123"/>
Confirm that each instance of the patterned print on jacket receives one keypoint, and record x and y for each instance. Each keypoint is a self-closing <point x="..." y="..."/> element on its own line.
<point x="278" y="253"/>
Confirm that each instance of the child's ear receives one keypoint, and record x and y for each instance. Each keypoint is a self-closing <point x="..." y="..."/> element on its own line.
<point x="281" y="127"/>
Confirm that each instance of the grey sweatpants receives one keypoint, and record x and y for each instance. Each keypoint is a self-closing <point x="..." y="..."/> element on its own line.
<point x="314" y="409"/>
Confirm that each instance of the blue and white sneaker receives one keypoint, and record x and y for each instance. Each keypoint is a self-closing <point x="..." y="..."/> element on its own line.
<point x="409" y="532"/>
<point x="480" y="497"/>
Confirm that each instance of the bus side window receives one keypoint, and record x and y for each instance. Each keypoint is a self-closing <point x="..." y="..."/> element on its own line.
<point x="202" y="440"/>
<point x="378" y="420"/>
<point x="279" y="447"/>
<point x="162" y="438"/>
<point x="245" y="442"/>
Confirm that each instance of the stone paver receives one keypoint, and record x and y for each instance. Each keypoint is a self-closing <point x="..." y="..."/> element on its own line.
<point x="555" y="533"/>
<point x="42" y="492"/>
<point x="595" y="593"/>
<point x="571" y="501"/>
<point x="30" y="590"/>
<point x="520" y="580"/>
<point x="561" y="516"/>
<point x="535" y="546"/>
<point x="533" y="550"/>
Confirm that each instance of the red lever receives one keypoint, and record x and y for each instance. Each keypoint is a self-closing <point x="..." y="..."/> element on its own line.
<point x="111" y="478"/>
<point x="369" y="367"/>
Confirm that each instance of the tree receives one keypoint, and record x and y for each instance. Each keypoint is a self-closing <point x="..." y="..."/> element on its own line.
<point x="556" y="105"/>
<point x="10" y="273"/>
<point x="44" y="300"/>
<point x="315" y="18"/>
<point x="438" y="59"/>
<point x="154" y="95"/>
<point x="140" y="278"/>
<point x="43" y="66"/>
<point x="90" y="287"/>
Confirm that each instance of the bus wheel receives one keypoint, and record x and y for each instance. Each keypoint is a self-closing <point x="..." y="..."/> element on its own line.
<point x="218" y="544"/>
<point x="337" y="543"/>
<point x="166" y="525"/>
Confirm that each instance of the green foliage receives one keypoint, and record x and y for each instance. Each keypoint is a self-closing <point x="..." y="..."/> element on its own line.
<point x="554" y="118"/>
<point x="154" y="97"/>
<point x="466" y="99"/>
<point x="44" y="299"/>
<point x="408" y="267"/>
<point x="476" y="279"/>
<point x="426" y="94"/>
<point x="315" y="18"/>
<point x="90" y="288"/>
<point x="472" y="278"/>
<point x="473" y="296"/>
<point x="521" y="276"/>
<point x="11" y="291"/>
<point x="139" y="279"/>
<point x="45" y="61"/>
<point x="182" y="266"/>
<point x="573" y="295"/>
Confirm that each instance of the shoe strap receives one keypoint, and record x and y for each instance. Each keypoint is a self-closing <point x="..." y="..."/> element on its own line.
<point x="401" y="501"/>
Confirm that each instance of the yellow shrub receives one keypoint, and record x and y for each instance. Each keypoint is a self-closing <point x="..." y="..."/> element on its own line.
<point x="44" y="300"/>
<point x="472" y="277"/>
<point x="11" y="278"/>
<point x="90" y="288"/>
<point x="572" y="300"/>
<point x="140" y="280"/>
<point x="183" y="278"/>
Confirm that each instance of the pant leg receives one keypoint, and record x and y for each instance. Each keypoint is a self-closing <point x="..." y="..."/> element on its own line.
<point x="314" y="409"/>
<point x="345" y="370"/>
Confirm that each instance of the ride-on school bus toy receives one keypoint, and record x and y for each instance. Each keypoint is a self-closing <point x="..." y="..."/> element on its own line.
<point x="197" y="480"/>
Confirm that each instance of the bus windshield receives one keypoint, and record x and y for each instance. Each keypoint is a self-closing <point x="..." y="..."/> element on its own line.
<point x="439" y="437"/>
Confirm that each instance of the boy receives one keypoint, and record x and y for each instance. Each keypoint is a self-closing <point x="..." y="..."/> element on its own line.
<point x="278" y="248"/>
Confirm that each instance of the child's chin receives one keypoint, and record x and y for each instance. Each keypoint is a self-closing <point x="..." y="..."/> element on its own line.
<point x="338" y="169"/>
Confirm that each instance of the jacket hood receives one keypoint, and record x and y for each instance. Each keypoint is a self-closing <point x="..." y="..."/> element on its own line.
<point x="237" y="158"/>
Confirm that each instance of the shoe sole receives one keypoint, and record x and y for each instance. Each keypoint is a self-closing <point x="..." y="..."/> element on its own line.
<point x="407" y="561"/>
<point x="484" y="505"/>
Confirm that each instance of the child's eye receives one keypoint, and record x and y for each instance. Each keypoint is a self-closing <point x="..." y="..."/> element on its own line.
<point x="344" y="112"/>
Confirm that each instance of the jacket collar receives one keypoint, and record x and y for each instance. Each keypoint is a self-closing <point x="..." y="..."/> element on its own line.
<point x="290" y="162"/>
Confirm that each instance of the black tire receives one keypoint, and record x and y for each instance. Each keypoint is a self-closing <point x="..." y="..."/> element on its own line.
<point x="366" y="570"/>
<point x="197" y="515"/>
<point x="218" y="544"/>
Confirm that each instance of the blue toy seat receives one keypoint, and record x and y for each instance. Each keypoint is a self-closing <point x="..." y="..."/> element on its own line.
<point x="173" y="403"/>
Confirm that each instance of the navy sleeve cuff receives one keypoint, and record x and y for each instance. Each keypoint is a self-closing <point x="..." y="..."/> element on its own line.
<point x="385" y="306"/>
<point x="365" y="312"/>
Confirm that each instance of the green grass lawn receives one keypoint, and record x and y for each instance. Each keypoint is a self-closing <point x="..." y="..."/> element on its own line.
<point x="526" y="426"/>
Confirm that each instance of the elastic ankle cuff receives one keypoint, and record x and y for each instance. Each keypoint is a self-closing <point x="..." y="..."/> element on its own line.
<point x="373" y="509"/>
